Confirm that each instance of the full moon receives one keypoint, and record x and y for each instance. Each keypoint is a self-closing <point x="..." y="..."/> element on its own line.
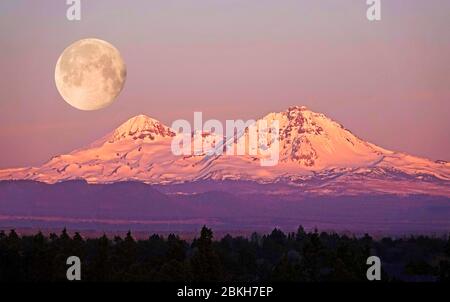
<point x="90" y="74"/>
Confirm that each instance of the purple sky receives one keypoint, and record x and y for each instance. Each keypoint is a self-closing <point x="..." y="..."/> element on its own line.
<point x="388" y="82"/>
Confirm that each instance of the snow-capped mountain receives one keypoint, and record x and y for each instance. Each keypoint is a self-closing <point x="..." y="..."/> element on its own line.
<point x="316" y="155"/>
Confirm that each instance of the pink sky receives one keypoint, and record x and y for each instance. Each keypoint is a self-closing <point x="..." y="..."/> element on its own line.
<point x="388" y="82"/>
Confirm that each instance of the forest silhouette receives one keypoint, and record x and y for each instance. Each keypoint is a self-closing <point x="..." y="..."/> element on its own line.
<point x="276" y="257"/>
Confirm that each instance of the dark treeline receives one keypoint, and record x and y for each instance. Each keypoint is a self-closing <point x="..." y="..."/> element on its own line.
<point x="298" y="256"/>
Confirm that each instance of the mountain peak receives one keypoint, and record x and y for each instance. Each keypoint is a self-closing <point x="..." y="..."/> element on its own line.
<point x="297" y="108"/>
<point x="141" y="127"/>
<point x="141" y="117"/>
<point x="313" y="150"/>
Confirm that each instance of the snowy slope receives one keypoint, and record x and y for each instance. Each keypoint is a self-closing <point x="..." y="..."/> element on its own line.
<point x="316" y="155"/>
